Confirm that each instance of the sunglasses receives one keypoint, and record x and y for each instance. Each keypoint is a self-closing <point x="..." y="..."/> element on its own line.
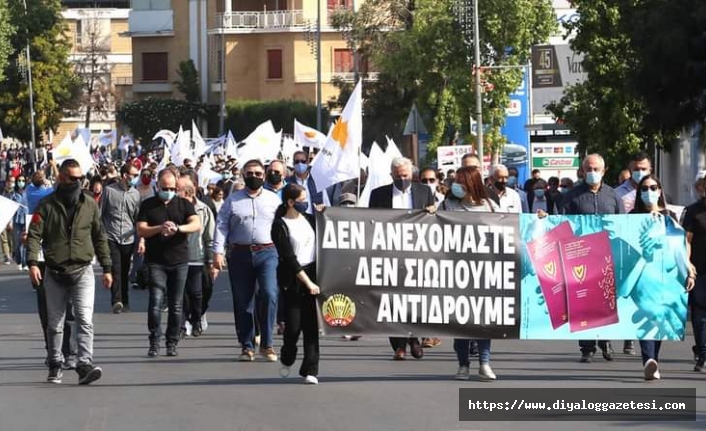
<point x="301" y="161"/>
<point x="653" y="187"/>
<point x="564" y="186"/>
<point x="254" y="174"/>
<point x="428" y="180"/>
<point x="75" y="179"/>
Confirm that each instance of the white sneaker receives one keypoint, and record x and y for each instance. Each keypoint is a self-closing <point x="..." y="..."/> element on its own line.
<point x="284" y="371"/>
<point x="204" y="323"/>
<point x="25" y="268"/>
<point x="19" y="267"/>
<point x="311" y="380"/>
<point x="651" y="370"/>
<point x="486" y="373"/>
<point x="188" y="327"/>
<point x="463" y="373"/>
<point x="257" y="340"/>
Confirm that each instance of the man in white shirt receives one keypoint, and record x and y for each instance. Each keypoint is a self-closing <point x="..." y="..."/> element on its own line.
<point x="509" y="199"/>
<point x="640" y="167"/>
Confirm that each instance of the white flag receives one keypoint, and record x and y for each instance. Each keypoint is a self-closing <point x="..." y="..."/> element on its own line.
<point x="392" y="151"/>
<point x="378" y="173"/>
<point x="107" y="139"/>
<point x="181" y="150"/>
<point x="74" y="150"/>
<point x="167" y="135"/>
<point x="84" y="134"/>
<point x="125" y="143"/>
<point x="307" y="136"/>
<point x="165" y="160"/>
<point x="197" y="139"/>
<point x="231" y="149"/>
<point x="289" y="147"/>
<point x="263" y="144"/>
<point x="339" y="159"/>
<point x="1" y="136"/>
<point x="8" y="208"/>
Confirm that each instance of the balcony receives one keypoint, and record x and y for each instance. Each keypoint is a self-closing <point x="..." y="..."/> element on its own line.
<point x="328" y="77"/>
<point x="266" y="20"/>
<point x="144" y="23"/>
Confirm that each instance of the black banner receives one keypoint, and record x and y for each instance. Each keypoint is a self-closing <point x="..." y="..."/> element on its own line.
<point x="401" y="273"/>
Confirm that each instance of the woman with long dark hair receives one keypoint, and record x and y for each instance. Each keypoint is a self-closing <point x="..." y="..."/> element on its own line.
<point x="469" y="194"/>
<point x="650" y="199"/>
<point x="294" y="235"/>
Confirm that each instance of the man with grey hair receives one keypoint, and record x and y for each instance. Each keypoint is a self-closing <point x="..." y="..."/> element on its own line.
<point x="407" y="195"/>
<point x="508" y="199"/>
<point x="592" y="197"/>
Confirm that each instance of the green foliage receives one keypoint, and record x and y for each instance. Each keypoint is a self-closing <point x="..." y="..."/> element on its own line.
<point x="188" y="83"/>
<point x="430" y="62"/>
<point x="6" y="31"/>
<point x="146" y="117"/>
<point x="56" y="86"/>
<point x="243" y="116"/>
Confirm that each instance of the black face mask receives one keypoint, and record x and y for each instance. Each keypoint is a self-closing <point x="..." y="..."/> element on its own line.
<point x="274" y="178"/>
<point x="253" y="183"/>
<point x="69" y="193"/>
<point x="401" y="184"/>
<point x="500" y="186"/>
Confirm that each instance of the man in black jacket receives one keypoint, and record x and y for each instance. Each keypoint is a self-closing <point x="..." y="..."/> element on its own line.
<point x="403" y="194"/>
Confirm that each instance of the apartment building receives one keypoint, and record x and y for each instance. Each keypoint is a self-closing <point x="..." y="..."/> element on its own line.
<point x="263" y="49"/>
<point x="95" y="29"/>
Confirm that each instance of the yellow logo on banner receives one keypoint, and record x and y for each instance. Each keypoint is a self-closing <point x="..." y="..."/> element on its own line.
<point x="310" y="135"/>
<point x="579" y="273"/>
<point x="338" y="310"/>
<point x="340" y="133"/>
<point x="550" y="269"/>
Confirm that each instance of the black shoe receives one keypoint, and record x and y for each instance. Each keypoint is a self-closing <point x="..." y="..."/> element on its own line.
<point x="69" y="363"/>
<point x="196" y="330"/>
<point x="695" y="351"/>
<point x="126" y="308"/>
<point x="587" y="357"/>
<point x="473" y="351"/>
<point x="153" y="352"/>
<point x="182" y="333"/>
<point x="172" y="351"/>
<point x="55" y="374"/>
<point x="606" y="350"/>
<point x="629" y="348"/>
<point x="88" y="374"/>
<point x="700" y="367"/>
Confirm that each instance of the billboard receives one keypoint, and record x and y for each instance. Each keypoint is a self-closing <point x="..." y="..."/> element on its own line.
<point x="517" y="116"/>
<point x="556" y="159"/>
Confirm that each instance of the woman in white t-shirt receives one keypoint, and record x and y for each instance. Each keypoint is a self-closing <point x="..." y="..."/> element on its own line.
<point x="294" y="235"/>
<point x="469" y="194"/>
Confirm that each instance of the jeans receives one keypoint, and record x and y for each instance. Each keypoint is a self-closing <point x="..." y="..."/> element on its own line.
<point x="120" y="256"/>
<point x="193" y="296"/>
<point x="301" y="317"/>
<point x="463" y="346"/>
<point x="246" y="269"/>
<point x="169" y="281"/>
<point x="137" y="261"/>
<point x="20" y="251"/>
<point x="68" y="346"/>
<point x="698" y="316"/>
<point x="650" y="350"/>
<point x="81" y="292"/>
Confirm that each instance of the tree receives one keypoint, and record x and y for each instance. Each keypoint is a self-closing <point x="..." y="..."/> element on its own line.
<point x="56" y="86"/>
<point x="6" y="31"/>
<point x="430" y="61"/>
<point x="188" y="83"/>
<point x="93" y="69"/>
<point x="146" y="117"/>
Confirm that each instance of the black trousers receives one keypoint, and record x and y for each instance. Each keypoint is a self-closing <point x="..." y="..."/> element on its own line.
<point x="120" y="255"/>
<point x="206" y="288"/>
<point x="401" y="342"/>
<point x="68" y="347"/>
<point x="301" y="317"/>
<point x="193" y="296"/>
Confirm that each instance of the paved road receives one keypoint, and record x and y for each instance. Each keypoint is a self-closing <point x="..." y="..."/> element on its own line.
<point x="361" y="388"/>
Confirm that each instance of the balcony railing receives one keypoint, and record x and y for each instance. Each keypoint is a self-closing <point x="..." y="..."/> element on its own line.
<point x="261" y="20"/>
<point x="304" y="78"/>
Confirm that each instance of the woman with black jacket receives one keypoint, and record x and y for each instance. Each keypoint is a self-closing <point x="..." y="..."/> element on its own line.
<point x="294" y="235"/>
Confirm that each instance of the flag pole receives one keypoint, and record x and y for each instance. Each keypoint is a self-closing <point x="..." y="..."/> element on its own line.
<point x="360" y="169"/>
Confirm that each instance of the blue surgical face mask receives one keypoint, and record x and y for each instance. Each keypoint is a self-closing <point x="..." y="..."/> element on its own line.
<point x="458" y="191"/>
<point x="637" y="176"/>
<point x="301" y="206"/>
<point x="564" y="190"/>
<point x="539" y="193"/>
<point x="594" y="178"/>
<point x="165" y="195"/>
<point x="21" y="184"/>
<point x="512" y="181"/>
<point x="134" y="181"/>
<point x="650" y="197"/>
<point x="301" y="168"/>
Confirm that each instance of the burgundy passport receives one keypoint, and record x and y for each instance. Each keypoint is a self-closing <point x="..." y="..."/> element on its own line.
<point x="546" y="258"/>
<point x="590" y="281"/>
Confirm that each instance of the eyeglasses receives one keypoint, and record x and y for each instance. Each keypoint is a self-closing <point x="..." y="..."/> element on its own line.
<point x="254" y="174"/>
<point x="653" y="187"/>
<point x="75" y="179"/>
<point x="564" y="186"/>
<point x="301" y="161"/>
<point x="428" y="180"/>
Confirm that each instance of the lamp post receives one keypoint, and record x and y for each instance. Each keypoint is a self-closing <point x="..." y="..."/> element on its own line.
<point x="29" y="84"/>
<point x="318" y="65"/>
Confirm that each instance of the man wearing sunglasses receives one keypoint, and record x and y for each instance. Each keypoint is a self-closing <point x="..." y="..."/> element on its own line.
<point x="274" y="180"/>
<point x="67" y="228"/>
<point x="244" y="225"/>
<point x="301" y="176"/>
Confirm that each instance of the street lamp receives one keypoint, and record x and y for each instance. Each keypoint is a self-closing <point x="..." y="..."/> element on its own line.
<point x="315" y="48"/>
<point x="29" y="82"/>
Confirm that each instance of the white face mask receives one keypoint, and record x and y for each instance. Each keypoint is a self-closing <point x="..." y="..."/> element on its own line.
<point x="432" y="187"/>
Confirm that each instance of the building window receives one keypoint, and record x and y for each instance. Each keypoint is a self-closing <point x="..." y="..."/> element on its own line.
<point x="151" y="4"/>
<point x="154" y="66"/>
<point x="339" y="4"/>
<point x="342" y="61"/>
<point x="274" y="64"/>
